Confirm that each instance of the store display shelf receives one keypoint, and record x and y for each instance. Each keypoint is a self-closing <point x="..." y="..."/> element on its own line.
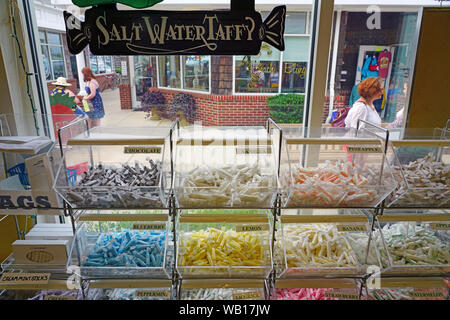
<point x="417" y="282"/>
<point x="122" y="217"/>
<point x="323" y="218"/>
<point x="226" y="218"/>
<point x="223" y="283"/>
<point x="316" y="283"/>
<point x="397" y="217"/>
<point x="129" y="283"/>
<point x="51" y="285"/>
<point x="10" y="264"/>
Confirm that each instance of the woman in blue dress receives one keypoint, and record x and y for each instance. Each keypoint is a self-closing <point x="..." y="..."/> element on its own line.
<point x="93" y="95"/>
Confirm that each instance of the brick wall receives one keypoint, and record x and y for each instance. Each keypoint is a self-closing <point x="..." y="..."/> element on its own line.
<point x="125" y="96"/>
<point x="73" y="88"/>
<point x="221" y="110"/>
<point x="222" y="75"/>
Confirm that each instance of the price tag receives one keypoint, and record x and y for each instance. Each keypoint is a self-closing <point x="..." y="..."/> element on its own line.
<point x="440" y="226"/>
<point x="427" y="293"/>
<point x="254" y="227"/>
<point x="260" y="150"/>
<point x="135" y="149"/>
<point x="247" y="295"/>
<point x="342" y="294"/>
<point x="24" y="278"/>
<point x="152" y="293"/>
<point x="59" y="298"/>
<point x="149" y="226"/>
<point x="364" y="149"/>
<point x="352" y="227"/>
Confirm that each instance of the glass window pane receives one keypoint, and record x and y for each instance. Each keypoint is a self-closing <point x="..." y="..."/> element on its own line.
<point x="260" y="73"/>
<point x="294" y="67"/>
<point x="196" y="72"/>
<point x="58" y="69"/>
<point x="42" y="36"/>
<point x="101" y="64"/>
<point x="93" y="63"/>
<point x="54" y="38"/>
<point x="295" y="23"/>
<point x="46" y="62"/>
<point x="56" y="53"/>
<point x="170" y="72"/>
<point x="108" y="66"/>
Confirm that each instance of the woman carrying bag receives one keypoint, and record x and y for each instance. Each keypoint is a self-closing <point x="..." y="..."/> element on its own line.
<point x="93" y="98"/>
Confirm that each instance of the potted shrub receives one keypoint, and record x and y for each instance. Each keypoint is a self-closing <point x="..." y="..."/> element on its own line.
<point x="184" y="106"/>
<point x="286" y="108"/>
<point x="153" y="101"/>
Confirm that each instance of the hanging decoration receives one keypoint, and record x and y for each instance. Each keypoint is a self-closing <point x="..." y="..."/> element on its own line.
<point x="109" y="31"/>
<point x="138" y="4"/>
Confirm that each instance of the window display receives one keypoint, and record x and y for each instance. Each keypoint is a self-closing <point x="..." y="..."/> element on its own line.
<point x="52" y="54"/>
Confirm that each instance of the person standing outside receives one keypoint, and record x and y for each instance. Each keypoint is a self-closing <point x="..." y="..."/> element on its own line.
<point x="61" y="87"/>
<point x="93" y="95"/>
<point x="370" y="89"/>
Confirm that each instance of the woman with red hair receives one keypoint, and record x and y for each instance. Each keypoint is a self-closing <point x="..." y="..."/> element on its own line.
<point x="93" y="95"/>
<point x="370" y="89"/>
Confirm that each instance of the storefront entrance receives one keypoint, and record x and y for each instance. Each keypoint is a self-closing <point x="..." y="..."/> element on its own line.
<point x="140" y="77"/>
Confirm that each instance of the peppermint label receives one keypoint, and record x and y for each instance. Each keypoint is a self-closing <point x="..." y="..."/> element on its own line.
<point x="59" y="298"/>
<point x="149" y="226"/>
<point x="152" y="293"/>
<point x="342" y="294"/>
<point x="440" y="226"/>
<point x="24" y="278"/>
<point x="247" y="295"/>
<point x="142" y="150"/>
<point x="257" y="227"/>
<point x="352" y="227"/>
<point x="261" y="150"/>
<point x="364" y="149"/>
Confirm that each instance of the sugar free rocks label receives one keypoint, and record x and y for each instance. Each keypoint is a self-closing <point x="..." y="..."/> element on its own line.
<point x="152" y="293"/>
<point x="142" y="149"/>
<point x="246" y="228"/>
<point x="24" y="278"/>
<point x="247" y="295"/>
<point x="149" y="226"/>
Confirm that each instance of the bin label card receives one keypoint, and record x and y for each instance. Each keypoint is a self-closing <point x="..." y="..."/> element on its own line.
<point x="129" y="149"/>
<point x="148" y="226"/>
<point x="343" y="294"/>
<point x="351" y="227"/>
<point x="257" y="227"/>
<point x="440" y="226"/>
<point x="24" y="278"/>
<point x="427" y="293"/>
<point x="364" y="149"/>
<point x="71" y="297"/>
<point x="247" y="295"/>
<point x="152" y="293"/>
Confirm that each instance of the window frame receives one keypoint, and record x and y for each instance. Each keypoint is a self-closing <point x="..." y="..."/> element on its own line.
<point x="46" y="46"/>
<point x="281" y="60"/>
<point x="182" y="77"/>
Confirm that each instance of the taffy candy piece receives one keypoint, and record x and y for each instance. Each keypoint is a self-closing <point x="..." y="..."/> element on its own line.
<point x="302" y="294"/>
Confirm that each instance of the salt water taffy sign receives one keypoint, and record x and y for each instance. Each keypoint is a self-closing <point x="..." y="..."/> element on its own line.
<point x="109" y="31"/>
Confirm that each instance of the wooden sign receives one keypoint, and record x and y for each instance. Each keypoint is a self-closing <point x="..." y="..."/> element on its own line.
<point x="109" y="31"/>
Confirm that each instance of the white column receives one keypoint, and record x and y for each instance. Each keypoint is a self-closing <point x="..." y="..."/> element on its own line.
<point x="81" y="63"/>
<point x="333" y="64"/>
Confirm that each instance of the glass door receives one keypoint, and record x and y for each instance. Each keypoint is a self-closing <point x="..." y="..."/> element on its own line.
<point x="141" y="78"/>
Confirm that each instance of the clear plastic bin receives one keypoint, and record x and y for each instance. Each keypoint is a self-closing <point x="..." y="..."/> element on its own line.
<point x="220" y="167"/>
<point x="15" y="294"/>
<point x="237" y="253"/>
<point x="131" y="167"/>
<point x="221" y="293"/>
<point x="324" y="249"/>
<point x="422" y="169"/>
<point x="126" y="244"/>
<point x="414" y="247"/>
<point x="317" y="293"/>
<point x="335" y="170"/>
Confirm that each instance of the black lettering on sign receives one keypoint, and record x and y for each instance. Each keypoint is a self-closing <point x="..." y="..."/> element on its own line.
<point x="247" y="228"/>
<point x="109" y="31"/>
<point x="142" y="150"/>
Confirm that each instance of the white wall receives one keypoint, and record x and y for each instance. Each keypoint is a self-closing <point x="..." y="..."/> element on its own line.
<point x="49" y="17"/>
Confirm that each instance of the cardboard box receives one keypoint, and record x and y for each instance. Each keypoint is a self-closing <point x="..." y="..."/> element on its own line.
<point x="40" y="251"/>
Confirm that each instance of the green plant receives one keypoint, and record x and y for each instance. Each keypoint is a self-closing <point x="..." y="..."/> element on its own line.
<point x="183" y="102"/>
<point x="286" y="108"/>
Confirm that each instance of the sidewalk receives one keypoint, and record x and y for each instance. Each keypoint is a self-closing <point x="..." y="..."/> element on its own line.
<point x="114" y="116"/>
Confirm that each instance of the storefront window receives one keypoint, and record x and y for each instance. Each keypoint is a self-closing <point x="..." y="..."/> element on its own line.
<point x="295" y="23"/>
<point x="295" y="65"/>
<point x="196" y="72"/>
<point x="170" y="72"/>
<point x="52" y="54"/>
<point x="100" y="64"/>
